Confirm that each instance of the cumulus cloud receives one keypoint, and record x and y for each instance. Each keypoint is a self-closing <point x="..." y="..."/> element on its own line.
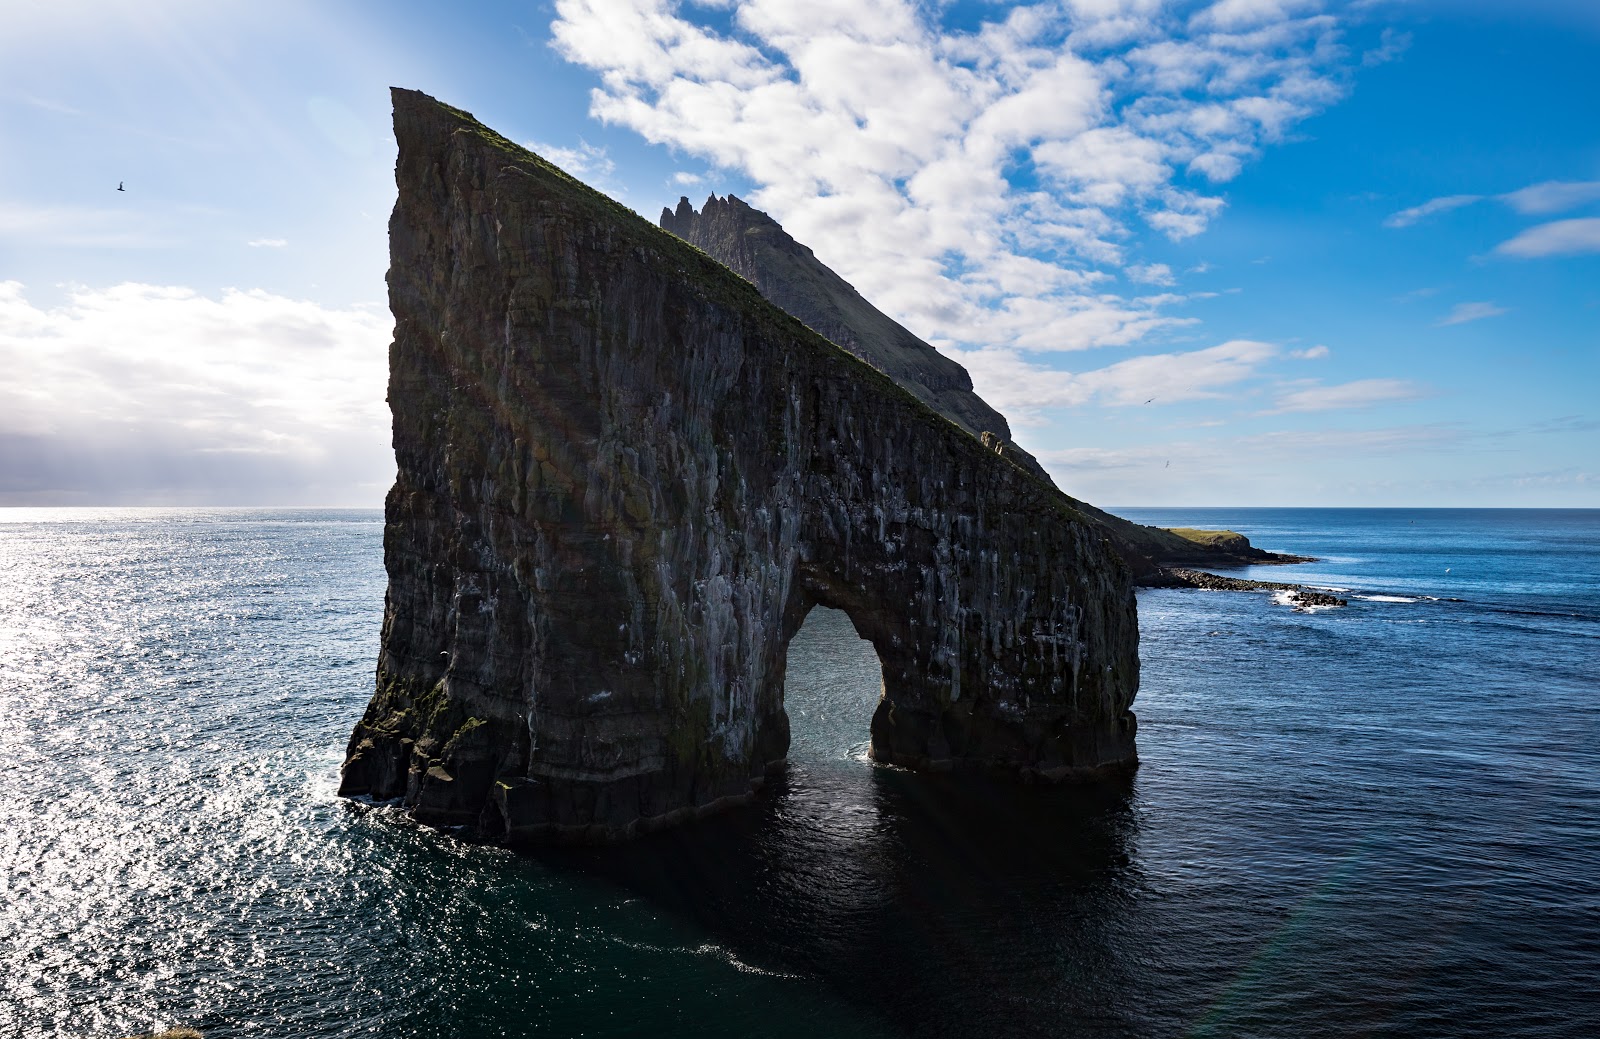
<point x="1559" y="238"/>
<point x="144" y="393"/>
<point x="1363" y="393"/>
<point x="1407" y="217"/>
<point x="946" y="173"/>
<point x="1245" y="14"/>
<point x="1464" y="312"/>
<point x="1151" y="274"/>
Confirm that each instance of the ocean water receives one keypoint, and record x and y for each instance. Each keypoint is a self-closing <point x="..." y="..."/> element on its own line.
<point x="1377" y="820"/>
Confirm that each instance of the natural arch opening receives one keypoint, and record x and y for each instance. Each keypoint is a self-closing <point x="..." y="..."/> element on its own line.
<point x="833" y="681"/>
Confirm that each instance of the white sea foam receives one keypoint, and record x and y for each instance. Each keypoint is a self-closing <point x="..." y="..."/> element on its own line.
<point x="1385" y="598"/>
<point x="1286" y="597"/>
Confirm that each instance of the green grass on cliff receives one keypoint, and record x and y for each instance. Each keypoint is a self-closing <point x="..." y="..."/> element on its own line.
<point x="1225" y="539"/>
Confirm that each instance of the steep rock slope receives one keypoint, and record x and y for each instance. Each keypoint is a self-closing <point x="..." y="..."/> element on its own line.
<point x="789" y="274"/>
<point x="625" y="477"/>
<point x="757" y="248"/>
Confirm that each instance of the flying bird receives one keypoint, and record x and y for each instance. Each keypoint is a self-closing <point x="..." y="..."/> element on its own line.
<point x="119" y="186"/>
<point x="1150" y="401"/>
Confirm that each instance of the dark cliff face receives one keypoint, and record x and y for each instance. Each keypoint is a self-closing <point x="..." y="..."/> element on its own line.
<point x="624" y="478"/>
<point x="786" y="272"/>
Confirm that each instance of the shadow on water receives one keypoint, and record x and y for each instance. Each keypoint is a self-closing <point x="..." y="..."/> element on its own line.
<point x="941" y="905"/>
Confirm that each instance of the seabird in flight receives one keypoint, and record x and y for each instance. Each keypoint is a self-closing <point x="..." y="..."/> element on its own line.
<point x="119" y="186"/>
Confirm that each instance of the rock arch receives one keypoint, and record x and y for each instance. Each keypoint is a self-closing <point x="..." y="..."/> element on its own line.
<point x="623" y="479"/>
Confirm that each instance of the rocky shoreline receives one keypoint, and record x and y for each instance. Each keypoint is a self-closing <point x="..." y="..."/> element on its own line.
<point x="1301" y="598"/>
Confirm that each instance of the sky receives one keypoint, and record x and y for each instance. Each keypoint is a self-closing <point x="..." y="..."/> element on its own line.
<point x="1219" y="253"/>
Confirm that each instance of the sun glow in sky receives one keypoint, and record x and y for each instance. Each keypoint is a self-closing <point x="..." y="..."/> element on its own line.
<point x="1247" y="252"/>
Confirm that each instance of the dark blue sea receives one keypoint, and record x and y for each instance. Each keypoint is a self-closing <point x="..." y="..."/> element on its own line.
<point x="1375" y="820"/>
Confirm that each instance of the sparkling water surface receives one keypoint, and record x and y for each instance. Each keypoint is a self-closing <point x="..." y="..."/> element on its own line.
<point x="1375" y="820"/>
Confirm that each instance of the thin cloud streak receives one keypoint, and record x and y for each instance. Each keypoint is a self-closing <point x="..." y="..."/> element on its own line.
<point x="1024" y="390"/>
<point x="1408" y="217"/>
<point x="1464" y="312"/>
<point x="1362" y="393"/>
<point x="1553" y="196"/>
<point x="1559" y="238"/>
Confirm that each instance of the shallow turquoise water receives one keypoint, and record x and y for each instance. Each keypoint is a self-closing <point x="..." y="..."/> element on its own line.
<point x="1380" y="819"/>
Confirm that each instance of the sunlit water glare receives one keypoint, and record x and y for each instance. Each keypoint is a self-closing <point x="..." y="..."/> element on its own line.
<point x="1376" y="820"/>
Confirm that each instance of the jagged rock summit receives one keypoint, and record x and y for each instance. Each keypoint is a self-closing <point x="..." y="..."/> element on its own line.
<point x="624" y="478"/>
<point x="757" y="248"/>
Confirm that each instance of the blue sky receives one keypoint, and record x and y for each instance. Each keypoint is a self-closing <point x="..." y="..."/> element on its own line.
<point x="1351" y="250"/>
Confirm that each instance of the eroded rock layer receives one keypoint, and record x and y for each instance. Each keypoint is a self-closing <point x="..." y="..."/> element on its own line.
<point x="624" y="478"/>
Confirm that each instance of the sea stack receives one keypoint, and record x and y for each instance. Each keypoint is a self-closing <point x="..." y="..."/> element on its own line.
<point x="624" y="478"/>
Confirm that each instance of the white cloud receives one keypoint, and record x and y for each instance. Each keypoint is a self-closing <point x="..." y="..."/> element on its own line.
<point x="1560" y="238"/>
<point x="586" y="162"/>
<point x="947" y="174"/>
<point x="1105" y="167"/>
<point x="1296" y="443"/>
<point x="1152" y="274"/>
<point x="267" y="243"/>
<point x="1362" y="393"/>
<point x="1023" y="389"/>
<point x="1535" y="200"/>
<point x="1553" y="196"/>
<point x="1407" y="217"/>
<point x="1391" y="46"/>
<point x="1464" y="312"/>
<point x="687" y="179"/>
<point x="1245" y="14"/>
<point x="152" y="393"/>
<point x="1311" y="353"/>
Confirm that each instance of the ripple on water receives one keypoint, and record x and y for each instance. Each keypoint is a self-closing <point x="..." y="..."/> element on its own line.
<point x="1346" y="823"/>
